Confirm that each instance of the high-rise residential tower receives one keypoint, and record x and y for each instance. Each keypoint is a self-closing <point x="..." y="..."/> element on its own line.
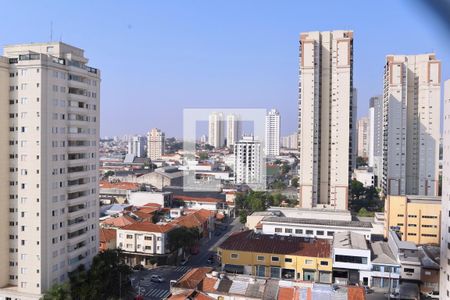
<point x="215" y="130"/>
<point x="155" y="140"/>
<point x="362" y="128"/>
<point x="49" y="106"/>
<point x="444" y="285"/>
<point x="247" y="161"/>
<point x="136" y="145"/>
<point x="233" y="129"/>
<point x="273" y="133"/>
<point x="376" y="137"/>
<point x="326" y="119"/>
<point x="411" y="113"/>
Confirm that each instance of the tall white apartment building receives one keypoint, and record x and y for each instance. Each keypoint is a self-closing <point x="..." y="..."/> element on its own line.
<point x="411" y="125"/>
<point x="49" y="106"/>
<point x="326" y="119"/>
<point x="215" y="130"/>
<point x="156" y="140"/>
<point x="136" y="146"/>
<point x="290" y="141"/>
<point x="247" y="161"/>
<point x="273" y="133"/>
<point x="444" y="285"/>
<point x="376" y="137"/>
<point x="363" y="137"/>
<point x="233" y="129"/>
<point x="353" y="124"/>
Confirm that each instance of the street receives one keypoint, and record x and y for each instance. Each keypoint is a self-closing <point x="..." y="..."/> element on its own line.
<point x="141" y="280"/>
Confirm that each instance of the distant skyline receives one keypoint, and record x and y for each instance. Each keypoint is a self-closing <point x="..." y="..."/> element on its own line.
<point x="159" y="57"/>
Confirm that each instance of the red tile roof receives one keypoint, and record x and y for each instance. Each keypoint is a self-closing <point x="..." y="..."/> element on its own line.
<point x="207" y="285"/>
<point x="119" y="221"/>
<point x="192" y="279"/>
<point x="286" y="293"/>
<point x="249" y="241"/>
<point x="149" y="227"/>
<point x="107" y="235"/>
<point x="119" y="185"/>
<point x="356" y="293"/>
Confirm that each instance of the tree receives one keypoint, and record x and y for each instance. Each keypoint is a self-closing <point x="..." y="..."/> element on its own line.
<point x="356" y="189"/>
<point x="294" y="182"/>
<point x="58" y="292"/>
<point x="182" y="237"/>
<point x="361" y="161"/>
<point x="203" y="155"/>
<point x="285" y="168"/>
<point x="365" y="213"/>
<point x="278" y="185"/>
<point x="243" y="216"/>
<point x="106" y="279"/>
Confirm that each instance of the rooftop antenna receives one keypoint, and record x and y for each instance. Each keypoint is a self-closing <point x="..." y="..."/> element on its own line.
<point x="51" y="31"/>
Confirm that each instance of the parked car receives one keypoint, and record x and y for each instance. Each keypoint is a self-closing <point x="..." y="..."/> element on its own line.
<point x="138" y="267"/>
<point x="432" y="295"/>
<point x="394" y="295"/>
<point x="157" y="278"/>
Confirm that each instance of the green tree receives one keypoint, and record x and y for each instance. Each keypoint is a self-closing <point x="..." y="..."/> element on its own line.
<point x="361" y="161"/>
<point x="243" y="216"/>
<point x="365" y="213"/>
<point x="58" y="292"/>
<point x="182" y="237"/>
<point x="285" y="168"/>
<point x="203" y="155"/>
<point x="278" y="185"/>
<point x="294" y="182"/>
<point x="356" y="189"/>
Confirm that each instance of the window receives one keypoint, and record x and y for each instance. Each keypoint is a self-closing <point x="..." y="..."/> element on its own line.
<point x="309" y="232"/>
<point x="260" y="258"/>
<point x="351" y="259"/>
<point x="298" y="231"/>
<point x="129" y="236"/>
<point x="330" y="233"/>
<point x="323" y="263"/>
<point x="320" y="232"/>
<point x="148" y="238"/>
<point x="288" y="260"/>
<point x="288" y="230"/>
<point x="275" y="259"/>
<point x="408" y="270"/>
<point x="278" y="230"/>
<point x="234" y="256"/>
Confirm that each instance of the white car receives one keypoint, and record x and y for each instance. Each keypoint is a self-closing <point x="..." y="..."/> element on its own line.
<point x="432" y="295"/>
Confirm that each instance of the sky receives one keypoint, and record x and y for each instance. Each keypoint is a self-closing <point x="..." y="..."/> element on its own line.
<point x="159" y="57"/>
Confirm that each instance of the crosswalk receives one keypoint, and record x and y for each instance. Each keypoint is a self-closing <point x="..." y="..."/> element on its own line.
<point x="182" y="269"/>
<point x="157" y="293"/>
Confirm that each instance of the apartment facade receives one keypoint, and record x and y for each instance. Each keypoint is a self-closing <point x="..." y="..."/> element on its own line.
<point x="444" y="285"/>
<point x="376" y="137"/>
<point x="215" y="130"/>
<point x="233" y="130"/>
<point x="416" y="218"/>
<point x="273" y="133"/>
<point x="247" y="161"/>
<point x="50" y="115"/>
<point x="326" y="118"/>
<point x="411" y="125"/>
<point x="290" y="141"/>
<point x="136" y="146"/>
<point x="156" y="141"/>
<point x="277" y="257"/>
<point x="363" y="137"/>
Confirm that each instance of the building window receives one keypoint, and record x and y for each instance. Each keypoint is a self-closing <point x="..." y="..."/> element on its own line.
<point x="288" y="260"/>
<point x="408" y="270"/>
<point x="324" y="263"/>
<point x="351" y="259"/>
<point x="129" y="236"/>
<point x="320" y="232"/>
<point x="275" y="259"/>
<point x="260" y="258"/>
<point x="309" y="232"/>
<point x="234" y="256"/>
<point x="148" y="238"/>
<point x="288" y="230"/>
<point x="330" y="233"/>
<point x="278" y="230"/>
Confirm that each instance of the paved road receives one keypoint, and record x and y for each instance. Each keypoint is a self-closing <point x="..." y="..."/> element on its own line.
<point x="208" y="248"/>
<point x="141" y="281"/>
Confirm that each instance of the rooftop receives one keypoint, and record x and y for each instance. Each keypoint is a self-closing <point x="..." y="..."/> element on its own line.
<point x="349" y="240"/>
<point x="382" y="254"/>
<point x="327" y="222"/>
<point x="249" y="241"/>
<point x="149" y="227"/>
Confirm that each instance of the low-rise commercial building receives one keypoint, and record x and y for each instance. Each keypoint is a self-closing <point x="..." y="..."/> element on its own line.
<point x="277" y="256"/>
<point x="416" y="218"/>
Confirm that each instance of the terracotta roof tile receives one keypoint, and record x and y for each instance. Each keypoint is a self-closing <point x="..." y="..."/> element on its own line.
<point x="119" y="221"/>
<point x="149" y="227"/>
<point x="107" y="235"/>
<point x="356" y="293"/>
<point x="286" y="293"/>
<point x="192" y="279"/>
<point x="207" y="285"/>
<point x="197" y="199"/>
<point x="119" y="185"/>
<point x="251" y="242"/>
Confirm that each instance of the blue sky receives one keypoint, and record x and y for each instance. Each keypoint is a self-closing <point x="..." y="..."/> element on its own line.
<point x="158" y="57"/>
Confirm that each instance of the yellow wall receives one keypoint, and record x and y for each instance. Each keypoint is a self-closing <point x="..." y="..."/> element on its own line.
<point x="298" y="262"/>
<point x="400" y="212"/>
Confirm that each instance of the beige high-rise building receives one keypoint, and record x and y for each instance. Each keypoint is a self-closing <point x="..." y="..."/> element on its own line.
<point x="49" y="106"/>
<point x="325" y="118"/>
<point x="215" y="130"/>
<point x="444" y="285"/>
<point x="156" y="140"/>
<point x="233" y="130"/>
<point x="363" y="137"/>
<point x="412" y="89"/>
